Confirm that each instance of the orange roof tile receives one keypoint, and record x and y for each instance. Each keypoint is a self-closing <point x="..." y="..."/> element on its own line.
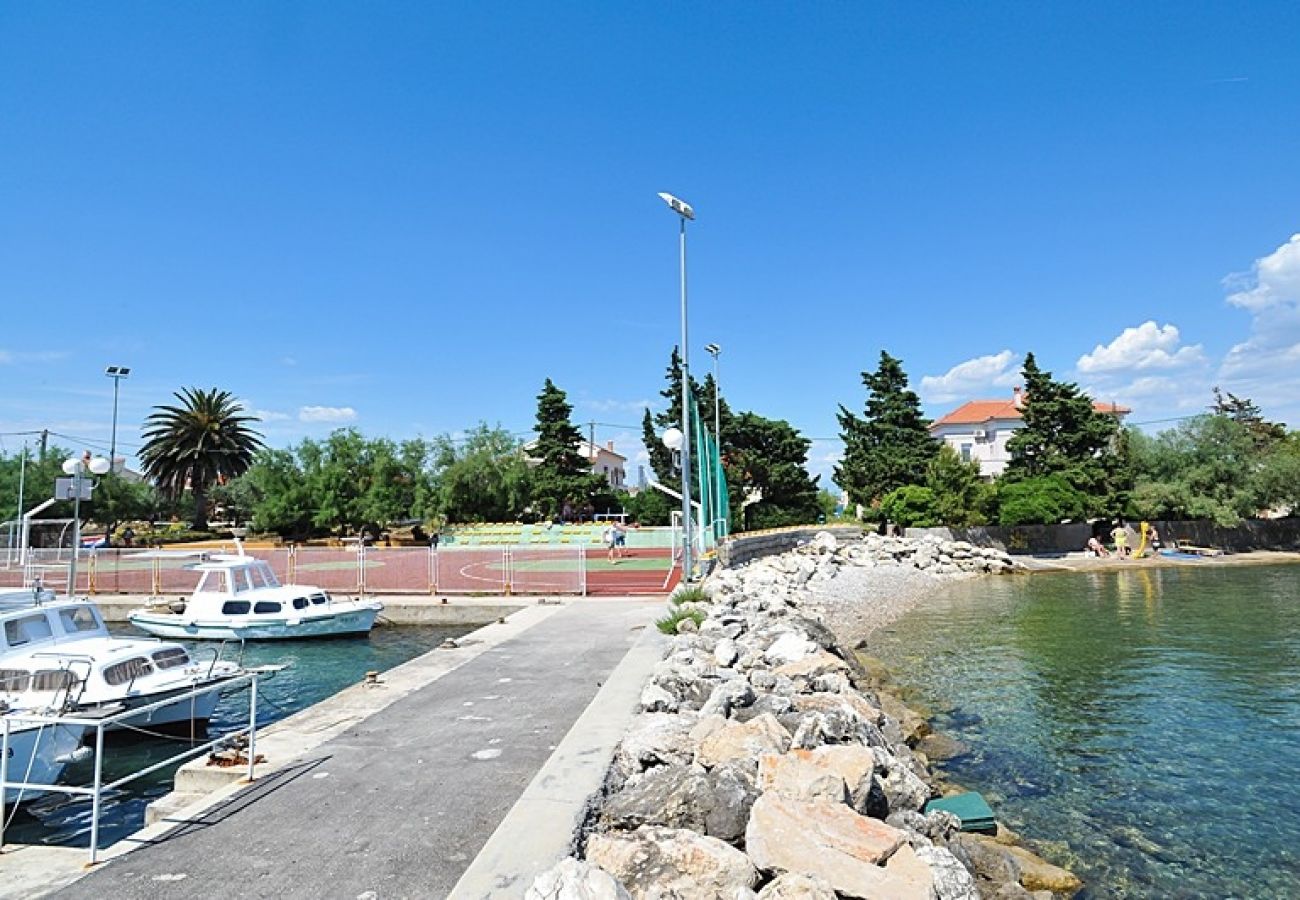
<point x="976" y="412"/>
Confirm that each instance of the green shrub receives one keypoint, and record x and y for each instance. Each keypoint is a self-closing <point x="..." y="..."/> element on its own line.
<point x="668" y="624"/>
<point x="690" y="594"/>
<point x="1045" y="500"/>
<point x="911" y="505"/>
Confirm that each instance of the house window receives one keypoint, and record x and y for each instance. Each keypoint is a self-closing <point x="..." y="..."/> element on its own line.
<point x="965" y="452"/>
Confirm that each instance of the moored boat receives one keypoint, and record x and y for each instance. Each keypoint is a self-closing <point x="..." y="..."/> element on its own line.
<point x="57" y="654"/>
<point x="238" y="597"/>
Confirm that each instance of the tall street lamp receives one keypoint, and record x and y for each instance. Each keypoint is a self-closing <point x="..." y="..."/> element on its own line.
<point x="117" y="373"/>
<point x="77" y="468"/>
<point x="714" y="350"/>
<point x="684" y="212"/>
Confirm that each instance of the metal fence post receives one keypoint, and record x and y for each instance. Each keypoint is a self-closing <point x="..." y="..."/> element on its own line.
<point x="95" y="801"/>
<point x="155" y="575"/>
<point x="361" y="566"/>
<point x="507" y="572"/>
<point x="433" y="570"/>
<point x="90" y="573"/>
<point x="252" y="727"/>
<point x="582" y="570"/>
<point x="4" y="779"/>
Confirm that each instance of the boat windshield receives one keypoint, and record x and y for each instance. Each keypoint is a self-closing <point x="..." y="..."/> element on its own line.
<point x="32" y="629"/>
<point x="81" y="618"/>
<point x="213" y="581"/>
<point x="263" y="576"/>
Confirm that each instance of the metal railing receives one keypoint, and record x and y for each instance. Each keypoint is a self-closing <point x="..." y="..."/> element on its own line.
<point x="97" y="788"/>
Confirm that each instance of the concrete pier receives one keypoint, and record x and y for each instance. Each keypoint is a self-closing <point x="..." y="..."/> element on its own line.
<point x="464" y="763"/>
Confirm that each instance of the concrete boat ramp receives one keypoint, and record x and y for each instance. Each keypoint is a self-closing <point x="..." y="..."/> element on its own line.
<point x="461" y="774"/>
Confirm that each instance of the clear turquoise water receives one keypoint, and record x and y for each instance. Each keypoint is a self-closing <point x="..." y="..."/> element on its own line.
<point x="316" y="670"/>
<point x="1142" y="725"/>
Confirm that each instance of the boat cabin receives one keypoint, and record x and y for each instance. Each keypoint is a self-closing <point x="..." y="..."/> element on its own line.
<point x="243" y="586"/>
<point x="28" y="628"/>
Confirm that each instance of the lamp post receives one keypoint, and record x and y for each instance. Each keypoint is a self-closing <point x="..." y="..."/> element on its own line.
<point x="714" y="350"/>
<point x="684" y="212"/>
<point x="77" y="468"/>
<point x="117" y="373"/>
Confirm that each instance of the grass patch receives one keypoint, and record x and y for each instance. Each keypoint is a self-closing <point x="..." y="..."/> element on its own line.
<point x="668" y="624"/>
<point x="690" y="594"/>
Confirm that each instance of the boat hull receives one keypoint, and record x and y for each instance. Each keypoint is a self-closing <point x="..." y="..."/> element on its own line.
<point x="38" y="756"/>
<point x="185" y="715"/>
<point x="336" y="624"/>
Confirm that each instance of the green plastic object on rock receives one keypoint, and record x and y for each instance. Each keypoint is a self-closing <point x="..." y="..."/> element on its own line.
<point x="971" y="808"/>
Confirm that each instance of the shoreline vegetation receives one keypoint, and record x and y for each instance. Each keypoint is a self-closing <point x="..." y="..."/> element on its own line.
<point x="770" y="761"/>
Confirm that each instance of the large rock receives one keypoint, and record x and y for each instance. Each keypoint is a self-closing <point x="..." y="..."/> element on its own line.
<point x="674" y="796"/>
<point x="789" y="647"/>
<point x="733" y="793"/>
<point x="573" y="879"/>
<point x="903" y="788"/>
<point x="795" y="773"/>
<point x="670" y="862"/>
<point x="793" y="886"/>
<point x="951" y="879"/>
<point x="827" y="840"/>
<point x="743" y="740"/>
<point x="1037" y="874"/>
<point x="807" y="670"/>
<point x="655" y="739"/>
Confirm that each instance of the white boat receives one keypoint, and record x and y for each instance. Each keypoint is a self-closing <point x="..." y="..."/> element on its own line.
<point x="38" y="753"/>
<point x="238" y="597"/>
<point x="57" y="654"/>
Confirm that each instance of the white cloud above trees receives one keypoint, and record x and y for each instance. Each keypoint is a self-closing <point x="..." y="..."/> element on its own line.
<point x="332" y="414"/>
<point x="1139" y="349"/>
<point x="982" y="376"/>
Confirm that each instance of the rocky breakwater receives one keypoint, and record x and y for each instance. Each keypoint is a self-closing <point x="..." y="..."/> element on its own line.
<point x="762" y="766"/>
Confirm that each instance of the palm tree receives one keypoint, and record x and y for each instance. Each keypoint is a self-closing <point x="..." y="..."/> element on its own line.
<point x="201" y="442"/>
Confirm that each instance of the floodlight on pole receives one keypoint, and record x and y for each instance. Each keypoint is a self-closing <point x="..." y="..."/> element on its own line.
<point x="715" y="350"/>
<point x="78" y="468"/>
<point x="684" y="212"/>
<point x="117" y="373"/>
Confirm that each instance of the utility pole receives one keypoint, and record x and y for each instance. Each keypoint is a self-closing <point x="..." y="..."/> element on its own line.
<point x="45" y="437"/>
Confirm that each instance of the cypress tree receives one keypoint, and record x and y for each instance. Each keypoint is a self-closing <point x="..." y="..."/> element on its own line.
<point x="890" y="446"/>
<point x="562" y="472"/>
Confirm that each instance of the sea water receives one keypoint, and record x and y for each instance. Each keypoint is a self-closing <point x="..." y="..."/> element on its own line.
<point x="314" y="670"/>
<point x="1141" y="725"/>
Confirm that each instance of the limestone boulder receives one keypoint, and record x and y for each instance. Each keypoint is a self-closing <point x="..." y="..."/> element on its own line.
<point x="1037" y="874"/>
<point x="827" y="840"/>
<point x="655" y="739"/>
<point x="656" y="862"/>
<point x="952" y="880"/>
<point x="788" y="648"/>
<point x="733" y="794"/>
<point x="793" y="886"/>
<point x="573" y="879"/>
<point x="903" y="788"/>
<point x="808" y="669"/>
<point x="656" y="699"/>
<point x="673" y="796"/>
<point x="744" y="741"/>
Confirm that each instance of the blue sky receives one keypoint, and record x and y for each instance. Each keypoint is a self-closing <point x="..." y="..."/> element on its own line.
<point x="404" y="217"/>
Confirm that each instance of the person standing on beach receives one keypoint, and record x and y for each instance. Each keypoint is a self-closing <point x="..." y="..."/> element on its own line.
<point x="1120" y="536"/>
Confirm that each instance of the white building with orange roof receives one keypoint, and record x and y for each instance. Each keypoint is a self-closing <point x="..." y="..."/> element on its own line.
<point x="980" y="429"/>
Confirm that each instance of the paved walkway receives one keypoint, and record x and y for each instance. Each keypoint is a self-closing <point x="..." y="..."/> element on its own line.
<point x="400" y="805"/>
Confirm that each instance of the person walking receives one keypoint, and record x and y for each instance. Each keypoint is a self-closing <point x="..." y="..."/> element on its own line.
<point x="607" y="536"/>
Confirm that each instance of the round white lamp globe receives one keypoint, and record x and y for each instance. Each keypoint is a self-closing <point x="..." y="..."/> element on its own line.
<point x="672" y="438"/>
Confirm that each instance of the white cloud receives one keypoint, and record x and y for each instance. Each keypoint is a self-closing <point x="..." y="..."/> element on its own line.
<point x="970" y="379"/>
<point x="1266" y="366"/>
<point x="327" y="414"/>
<point x="11" y="357"/>
<point x="615" y="405"/>
<point x="1273" y="280"/>
<point x="270" y="415"/>
<point x="1148" y="346"/>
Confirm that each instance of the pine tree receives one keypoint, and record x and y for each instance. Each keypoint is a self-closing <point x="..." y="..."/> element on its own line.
<point x="1063" y="435"/>
<point x="1246" y="412"/>
<point x="890" y="446"/>
<point x="770" y="456"/>
<point x="562" y="473"/>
